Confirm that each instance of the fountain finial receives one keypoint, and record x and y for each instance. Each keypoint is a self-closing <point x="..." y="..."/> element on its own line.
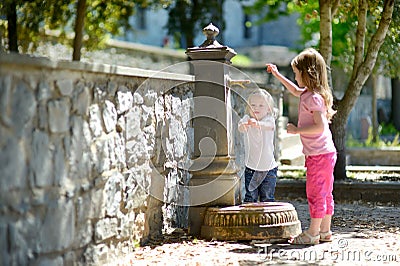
<point x="210" y="31"/>
<point x="210" y="49"/>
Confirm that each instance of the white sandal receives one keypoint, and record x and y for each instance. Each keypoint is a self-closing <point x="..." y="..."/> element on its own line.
<point x="302" y="239"/>
<point x="325" y="236"/>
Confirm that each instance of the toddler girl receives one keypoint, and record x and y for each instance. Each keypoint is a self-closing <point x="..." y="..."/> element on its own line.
<point x="259" y="128"/>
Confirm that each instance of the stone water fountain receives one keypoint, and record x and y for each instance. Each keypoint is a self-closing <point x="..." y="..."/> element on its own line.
<point x="215" y="210"/>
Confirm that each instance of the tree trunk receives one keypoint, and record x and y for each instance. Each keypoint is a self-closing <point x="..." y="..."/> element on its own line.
<point x="325" y="31"/>
<point x="325" y="45"/>
<point x="12" y="27"/>
<point x="189" y="41"/>
<point x="374" y="116"/>
<point x="395" y="117"/>
<point x="79" y="25"/>
<point x="360" y="38"/>
<point x="338" y="129"/>
<point x="194" y="16"/>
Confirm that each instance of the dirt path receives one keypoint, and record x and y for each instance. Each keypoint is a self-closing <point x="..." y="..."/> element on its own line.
<point x="364" y="234"/>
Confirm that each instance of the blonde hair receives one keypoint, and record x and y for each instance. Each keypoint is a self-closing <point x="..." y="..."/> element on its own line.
<point x="272" y="110"/>
<point x="313" y="71"/>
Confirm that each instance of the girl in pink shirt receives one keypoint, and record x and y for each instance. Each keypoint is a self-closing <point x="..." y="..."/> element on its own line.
<point x="315" y="113"/>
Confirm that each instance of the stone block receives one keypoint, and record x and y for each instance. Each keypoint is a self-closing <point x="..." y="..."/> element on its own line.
<point x="124" y="100"/>
<point x="58" y="228"/>
<point x="105" y="229"/>
<point x="84" y="234"/>
<point x="133" y="128"/>
<point x="65" y="86"/>
<point x="41" y="162"/>
<point x="96" y="254"/>
<point x="12" y="164"/>
<point x="109" y="116"/>
<point x="81" y="100"/>
<point x="95" y="120"/>
<point x="113" y="194"/>
<point x="23" y="107"/>
<point x="59" y="111"/>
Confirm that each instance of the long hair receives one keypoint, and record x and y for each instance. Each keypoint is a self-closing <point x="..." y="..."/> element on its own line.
<point x="270" y="104"/>
<point x="313" y="71"/>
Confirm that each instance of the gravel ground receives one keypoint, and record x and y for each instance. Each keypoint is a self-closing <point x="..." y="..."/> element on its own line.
<point x="364" y="234"/>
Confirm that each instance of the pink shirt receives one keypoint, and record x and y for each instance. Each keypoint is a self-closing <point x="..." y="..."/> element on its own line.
<point x="314" y="144"/>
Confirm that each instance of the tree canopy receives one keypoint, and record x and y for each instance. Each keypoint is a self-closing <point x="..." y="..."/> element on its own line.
<point x="93" y="21"/>
<point x="36" y="18"/>
<point x="344" y="25"/>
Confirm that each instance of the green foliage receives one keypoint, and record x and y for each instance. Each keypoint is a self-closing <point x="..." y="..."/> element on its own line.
<point x="136" y="243"/>
<point x="389" y="59"/>
<point x="241" y="60"/>
<point x="351" y="142"/>
<point x="270" y="9"/>
<point x="379" y="143"/>
<point x="105" y="18"/>
<point x="37" y="18"/>
<point x="388" y="129"/>
<point x="344" y="25"/>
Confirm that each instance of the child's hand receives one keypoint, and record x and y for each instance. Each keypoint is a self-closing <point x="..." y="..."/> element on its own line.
<point x="243" y="127"/>
<point x="271" y="68"/>
<point x="292" y="129"/>
<point x="252" y="122"/>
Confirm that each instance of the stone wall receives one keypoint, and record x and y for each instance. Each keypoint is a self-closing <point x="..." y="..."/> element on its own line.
<point x="91" y="159"/>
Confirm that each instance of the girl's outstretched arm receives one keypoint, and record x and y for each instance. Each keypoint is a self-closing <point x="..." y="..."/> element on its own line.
<point x="293" y="88"/>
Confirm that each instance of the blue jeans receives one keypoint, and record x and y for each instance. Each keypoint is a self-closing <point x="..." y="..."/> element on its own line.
<point x="260" y="185"/>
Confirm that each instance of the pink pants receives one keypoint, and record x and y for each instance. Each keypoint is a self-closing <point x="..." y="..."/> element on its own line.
<point x="319" y="184"/>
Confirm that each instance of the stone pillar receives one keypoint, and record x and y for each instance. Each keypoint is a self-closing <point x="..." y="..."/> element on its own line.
<point x="214" y="181"/>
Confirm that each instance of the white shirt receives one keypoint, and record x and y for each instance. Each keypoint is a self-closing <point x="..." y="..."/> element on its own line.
<point x="259" y="145"/>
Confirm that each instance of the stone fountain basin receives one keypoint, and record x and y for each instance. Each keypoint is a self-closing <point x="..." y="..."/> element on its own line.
<point x="273" y="221"/>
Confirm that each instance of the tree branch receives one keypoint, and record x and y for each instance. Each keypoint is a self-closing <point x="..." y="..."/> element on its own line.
<point x="325" y="31"/>
<point x="377" y="40"/>
<point x="334" y="7"/>
<point x="365" y="68"/>
<point x="360" y="37"/>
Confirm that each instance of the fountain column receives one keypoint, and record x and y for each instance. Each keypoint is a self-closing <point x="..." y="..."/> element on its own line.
<point x="215" y="211"/>
<point x="214" y="181"/>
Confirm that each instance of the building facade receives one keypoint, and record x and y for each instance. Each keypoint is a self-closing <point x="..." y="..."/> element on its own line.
<point x="241" y="30"/>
